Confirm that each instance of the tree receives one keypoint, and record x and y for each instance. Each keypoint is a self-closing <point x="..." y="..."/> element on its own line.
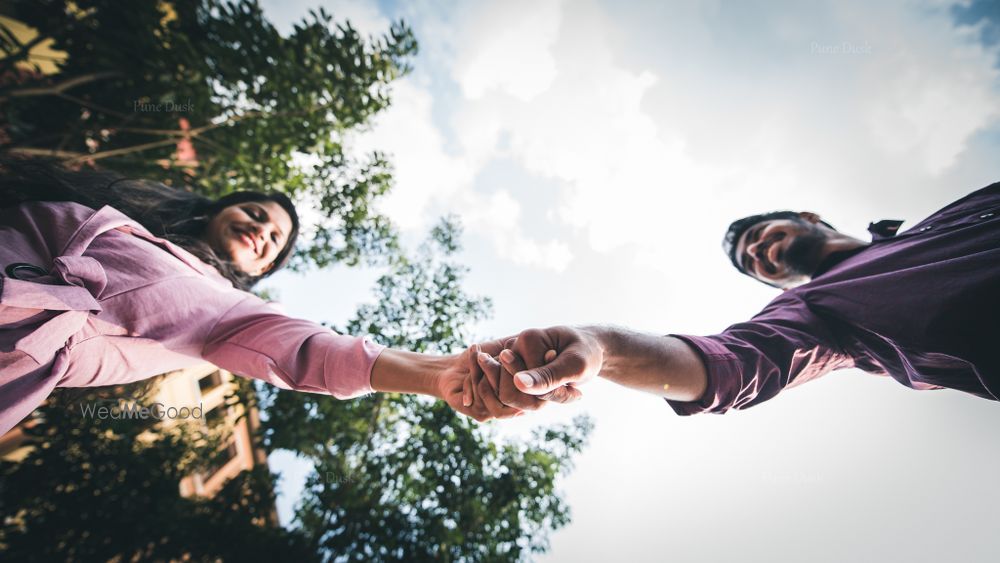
<point x="399" y="477"/>
<point x="208" y="94"/>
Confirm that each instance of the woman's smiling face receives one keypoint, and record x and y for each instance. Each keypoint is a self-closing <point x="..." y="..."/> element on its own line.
<point x="250" y="234"/>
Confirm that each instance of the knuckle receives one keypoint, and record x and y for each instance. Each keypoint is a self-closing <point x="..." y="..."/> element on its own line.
<point x="545" y="374"/>
<point x="553" y="396"/>
<point x="561" y="395"/>
<point x="485" y="387"/>
<point x="531" y="333"/>
<point x="531" y="404"/>
<point x="507" y="397"/>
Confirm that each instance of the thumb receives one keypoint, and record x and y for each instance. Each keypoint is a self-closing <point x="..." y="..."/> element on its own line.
<point x="566" y="368"/>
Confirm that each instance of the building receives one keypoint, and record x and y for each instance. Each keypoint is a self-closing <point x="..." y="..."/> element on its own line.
<point x="205" y="387"/>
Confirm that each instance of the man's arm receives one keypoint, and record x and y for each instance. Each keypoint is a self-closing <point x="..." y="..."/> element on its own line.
<point x="784" y="345"/>
<point x="661" y="365"/>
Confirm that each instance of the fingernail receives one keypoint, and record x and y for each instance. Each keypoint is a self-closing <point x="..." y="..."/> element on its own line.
<point x="525" y="379"/>
<point x="467" y="401"/>
<point x="483" y="356"/>
<point x="507" y="356"/>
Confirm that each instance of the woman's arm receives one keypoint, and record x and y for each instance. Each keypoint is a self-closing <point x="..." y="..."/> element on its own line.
<point x="398" y="371"/>
<point x="456" y="379"/>
<point x="254" y="339"/>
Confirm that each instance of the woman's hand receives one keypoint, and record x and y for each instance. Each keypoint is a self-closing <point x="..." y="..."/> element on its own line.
<point x="473" y="383"/>
<point x="466" y="384"/>
<point x="457" y="379"/>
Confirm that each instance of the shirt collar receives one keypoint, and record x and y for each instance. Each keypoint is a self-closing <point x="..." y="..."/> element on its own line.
<point x="886" y="228"/>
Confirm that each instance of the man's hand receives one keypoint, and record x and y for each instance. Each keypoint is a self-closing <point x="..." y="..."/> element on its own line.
<point x="548" y="365"/>
<point x="579" y="357"/>
<point x="501" y="381"/>
<point x="553" y="360"/>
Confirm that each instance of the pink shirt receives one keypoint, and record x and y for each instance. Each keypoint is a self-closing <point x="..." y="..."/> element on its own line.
<point x="120" y="305"/>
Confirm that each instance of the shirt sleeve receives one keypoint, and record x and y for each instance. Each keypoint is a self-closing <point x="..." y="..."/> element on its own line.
<point x="254" y="339"/>
<point x="785" y="345"/>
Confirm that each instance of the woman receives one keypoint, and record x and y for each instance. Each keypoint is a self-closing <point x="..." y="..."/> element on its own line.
<point x="105" y="280"/>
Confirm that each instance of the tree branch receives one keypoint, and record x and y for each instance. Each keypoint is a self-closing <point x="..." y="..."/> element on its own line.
<point x="92" y="106"/>
<point x="121" y="151"/>
<point x="59" y="88"/>
<point x="30" y="151"/>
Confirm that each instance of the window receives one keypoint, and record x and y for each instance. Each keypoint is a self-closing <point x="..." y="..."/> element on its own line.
<point x="210" y="381"/>
<point x="216" y="416"/>
<point x="224" y="456"/>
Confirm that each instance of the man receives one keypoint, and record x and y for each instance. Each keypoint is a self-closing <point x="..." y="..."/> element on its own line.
<point x="921" y="306"/>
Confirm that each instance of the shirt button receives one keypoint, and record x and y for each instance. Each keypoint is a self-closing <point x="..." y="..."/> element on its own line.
<point x="985" y="215"/>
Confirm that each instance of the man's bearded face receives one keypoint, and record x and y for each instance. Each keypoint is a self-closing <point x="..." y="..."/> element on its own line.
<point x="781" y="251"/>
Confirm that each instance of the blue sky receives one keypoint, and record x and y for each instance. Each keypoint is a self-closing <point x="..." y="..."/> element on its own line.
<point x="596" y="151"/>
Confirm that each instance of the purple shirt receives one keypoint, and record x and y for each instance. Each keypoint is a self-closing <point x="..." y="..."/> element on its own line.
<point x="110" y="303"/>
<point x="922" y="307"/>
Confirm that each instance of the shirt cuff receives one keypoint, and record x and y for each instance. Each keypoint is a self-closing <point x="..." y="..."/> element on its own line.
<point x="724" y="373"/>
<point x="349" y="372"/>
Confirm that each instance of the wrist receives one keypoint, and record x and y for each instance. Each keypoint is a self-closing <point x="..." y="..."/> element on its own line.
<point x="602" y="339"/>
<point x="607" y="340"/>
<point x="399" y="371"/>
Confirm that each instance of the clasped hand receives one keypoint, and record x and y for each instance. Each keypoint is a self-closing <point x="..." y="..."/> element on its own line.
<point x="505" y="377"/>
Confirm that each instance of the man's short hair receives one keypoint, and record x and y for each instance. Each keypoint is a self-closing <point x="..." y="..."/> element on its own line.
<point x="740" y="226"/>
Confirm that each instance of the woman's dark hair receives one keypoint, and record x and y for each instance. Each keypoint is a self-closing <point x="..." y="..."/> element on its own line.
<point x="177" y="215"/>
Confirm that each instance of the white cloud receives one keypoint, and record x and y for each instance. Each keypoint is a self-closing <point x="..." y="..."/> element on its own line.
<point x="930" y="85"/>
<point x="588" y="130"/>
<point x="499" y="220"/>
<point x="623" y="152"/>
<point x="432" y="182"/>
<point x="505" y="46"/>
<point x="423" y="170"/>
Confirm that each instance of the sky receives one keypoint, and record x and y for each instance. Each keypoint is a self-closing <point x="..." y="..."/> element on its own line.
<point x="595" y="153"/>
